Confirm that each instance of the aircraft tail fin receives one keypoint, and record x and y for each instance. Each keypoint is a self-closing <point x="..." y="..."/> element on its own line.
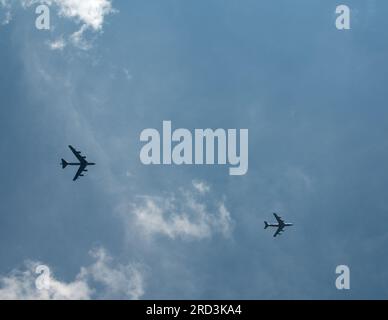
<point x="265" y="224"/>
<point x="64" y="164"/>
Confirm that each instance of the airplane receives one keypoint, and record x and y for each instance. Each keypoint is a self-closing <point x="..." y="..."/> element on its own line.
<point x="82" y="163"/>
<point x="280" y="225"/>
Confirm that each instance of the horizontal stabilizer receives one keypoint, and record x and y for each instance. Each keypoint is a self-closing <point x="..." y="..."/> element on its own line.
<point x="64" y="164"/>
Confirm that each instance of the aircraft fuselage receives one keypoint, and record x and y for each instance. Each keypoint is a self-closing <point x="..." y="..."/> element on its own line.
<point x="78" y="164"/>
<point x="277" y="225"/>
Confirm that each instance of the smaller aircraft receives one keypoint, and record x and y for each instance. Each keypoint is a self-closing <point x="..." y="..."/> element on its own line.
<point x="82" y="163"/>
<point x="280" y="225"/>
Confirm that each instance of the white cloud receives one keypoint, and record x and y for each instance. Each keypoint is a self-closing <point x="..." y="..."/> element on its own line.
<point x="118" y="281"/>
<point x="127" y="74"/>
<point x="201" y="186"/>
<point x="77" y="38"/>
<point x="6" y="4"/>
<point x="7" y="18"/>
<point x="122" y="280"/>
<point x="89" y="13"/>
<point x="181" y="215"/>
<point x="20" y="285"/>
<point x="58" y="44"/>
<point x="225" y="221"/>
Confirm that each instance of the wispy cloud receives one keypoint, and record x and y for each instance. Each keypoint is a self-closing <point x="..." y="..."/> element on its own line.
<point x="78" y="40"/>
<point x="201" y="186"/>
<point x="89" y="14"/>
<point x="118" y="281"/>
<point x="7" y="16"/>
<point x="183" y="214"/>
<point x="20" y="285"/>
<point x="58" y="44"/>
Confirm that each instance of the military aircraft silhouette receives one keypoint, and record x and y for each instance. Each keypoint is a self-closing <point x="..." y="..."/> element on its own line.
<point x="280" y="225"/>
<point x="82" y="163"/>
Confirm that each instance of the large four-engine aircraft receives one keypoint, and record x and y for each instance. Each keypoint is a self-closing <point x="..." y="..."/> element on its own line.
<point x="280" y="225"/>
<point x="82" y="163"/>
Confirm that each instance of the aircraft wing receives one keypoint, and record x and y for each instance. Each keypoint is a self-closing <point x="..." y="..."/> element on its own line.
<point x="279" y="219"/>
<point x="278" y="231"/>
<point x="80" y="170"/>
<point x="77" y="154"/>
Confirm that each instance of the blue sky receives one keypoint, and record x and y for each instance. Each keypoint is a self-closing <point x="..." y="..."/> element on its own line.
<point x="312" y="97"/>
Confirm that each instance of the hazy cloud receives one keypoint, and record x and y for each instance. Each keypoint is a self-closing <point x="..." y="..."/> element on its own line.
<point x="58" y="44"/>
<point x="201" y="186"/>
<point x="183" y="214"/>
<point x="6" y="15"/>
<point x="90" y="14"/>
<point x="118" y="280"/>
